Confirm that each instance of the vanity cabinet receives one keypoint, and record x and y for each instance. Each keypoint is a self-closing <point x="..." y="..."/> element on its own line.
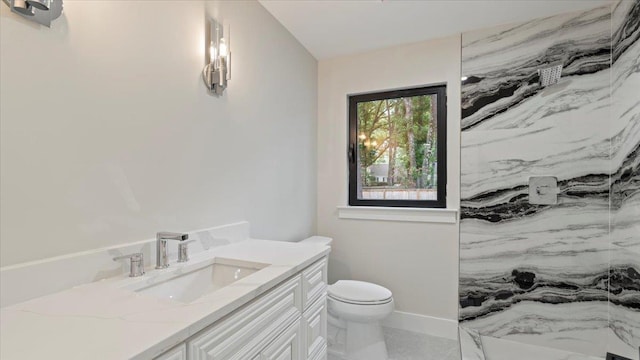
<point x="244" y="333"/>
<point x="289" y="322"/>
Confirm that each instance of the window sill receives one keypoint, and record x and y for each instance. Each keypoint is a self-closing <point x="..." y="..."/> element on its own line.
<point x="447" y="216"/>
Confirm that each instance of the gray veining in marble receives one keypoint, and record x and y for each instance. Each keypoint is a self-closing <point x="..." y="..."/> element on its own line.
<point x="470" y="344"/>
<point x="545" y="274"/>
<point x="500" y="349"/>
<point x="624" y="282"/>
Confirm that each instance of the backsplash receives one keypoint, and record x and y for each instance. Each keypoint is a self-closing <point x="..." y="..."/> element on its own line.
<point x="38" y="278"/>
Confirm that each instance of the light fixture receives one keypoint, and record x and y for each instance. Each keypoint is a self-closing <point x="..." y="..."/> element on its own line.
<point x="40" y="4"/>
<point x="218" y="69"/>
<point x="40" y="11"/>
<point x="22" y="7"/>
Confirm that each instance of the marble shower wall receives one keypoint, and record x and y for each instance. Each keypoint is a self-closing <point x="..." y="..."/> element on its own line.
<point x="624" y="280"/>
<point x="539" y="274"/>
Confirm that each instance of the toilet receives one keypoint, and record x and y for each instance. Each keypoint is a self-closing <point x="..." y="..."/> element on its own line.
<point x="355" y="309"/>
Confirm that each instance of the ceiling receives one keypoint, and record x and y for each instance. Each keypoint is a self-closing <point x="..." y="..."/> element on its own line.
<point x="330" y="28"/>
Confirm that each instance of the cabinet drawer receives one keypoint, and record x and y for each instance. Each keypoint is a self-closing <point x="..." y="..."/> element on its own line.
<point x="244" y="332"/>
<point x="314" y="282"/>
<point x="286" y="346"/>
<point x="177" y="353"/>
<point x="314" y="323"/>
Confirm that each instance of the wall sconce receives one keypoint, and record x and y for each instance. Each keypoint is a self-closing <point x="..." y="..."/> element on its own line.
<point x="40" y="11"/>
<point x="218" y="70"/>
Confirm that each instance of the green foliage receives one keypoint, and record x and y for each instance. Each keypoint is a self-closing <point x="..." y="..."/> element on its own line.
<point x="386" y="127"/>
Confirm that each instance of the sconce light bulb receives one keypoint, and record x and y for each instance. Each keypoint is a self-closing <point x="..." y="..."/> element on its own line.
<point x="223" y="48"/>
<point x="212" y="52"/>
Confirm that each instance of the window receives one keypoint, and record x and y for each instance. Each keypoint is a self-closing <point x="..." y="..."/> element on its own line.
<point x="397" y="148"/>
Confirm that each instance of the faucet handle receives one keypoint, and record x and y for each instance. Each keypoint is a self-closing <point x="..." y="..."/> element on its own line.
<point x="137" y="263"/>
<point x="183" y="250"/>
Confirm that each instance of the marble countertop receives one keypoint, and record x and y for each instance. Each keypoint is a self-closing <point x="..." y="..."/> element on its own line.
<point x="101" y="320"/>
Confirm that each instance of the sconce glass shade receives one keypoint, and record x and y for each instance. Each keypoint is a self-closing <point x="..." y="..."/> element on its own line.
<point x="223" y="48"/>
<point x="40" y="4"/>
<point x="23" y="8"/>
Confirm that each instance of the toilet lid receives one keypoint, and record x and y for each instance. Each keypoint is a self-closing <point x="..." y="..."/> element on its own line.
<point x="359" y="292"/>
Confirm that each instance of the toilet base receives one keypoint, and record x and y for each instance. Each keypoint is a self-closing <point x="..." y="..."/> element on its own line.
<point x="350" y="340"/>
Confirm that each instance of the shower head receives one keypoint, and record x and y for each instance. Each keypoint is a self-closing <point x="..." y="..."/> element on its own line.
<point x="550" y="75"/>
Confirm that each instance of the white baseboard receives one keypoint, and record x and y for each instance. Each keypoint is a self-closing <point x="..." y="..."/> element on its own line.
<point x="423" y="324"/>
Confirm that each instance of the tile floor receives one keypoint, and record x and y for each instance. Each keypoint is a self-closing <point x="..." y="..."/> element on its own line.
<point x="407" y="345"/>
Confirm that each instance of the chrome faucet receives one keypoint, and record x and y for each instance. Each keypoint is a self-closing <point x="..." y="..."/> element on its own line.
<point x="162" y="260"/>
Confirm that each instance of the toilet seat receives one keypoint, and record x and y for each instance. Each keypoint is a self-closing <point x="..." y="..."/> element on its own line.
<point x="359" y="293"/>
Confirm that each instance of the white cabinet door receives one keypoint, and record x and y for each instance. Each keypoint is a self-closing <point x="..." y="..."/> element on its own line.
<point x="177" y="353"/>
<point x="286" y="346"/>
<point x="314" y="324"/>
<point x="314" y="282"/>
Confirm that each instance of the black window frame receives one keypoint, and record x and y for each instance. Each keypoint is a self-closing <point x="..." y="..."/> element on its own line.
<point x="440" y="90"/>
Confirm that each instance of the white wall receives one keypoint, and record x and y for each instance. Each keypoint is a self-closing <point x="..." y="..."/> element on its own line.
<point x="417" y="261"/>
<point x="108" y="134"/>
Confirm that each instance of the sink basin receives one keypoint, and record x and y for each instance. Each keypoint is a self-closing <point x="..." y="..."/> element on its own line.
<point x="190" y="284"/>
